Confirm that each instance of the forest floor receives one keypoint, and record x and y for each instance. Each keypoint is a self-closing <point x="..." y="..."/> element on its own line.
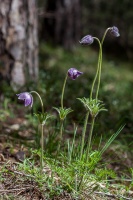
<point x="17" y="183"/>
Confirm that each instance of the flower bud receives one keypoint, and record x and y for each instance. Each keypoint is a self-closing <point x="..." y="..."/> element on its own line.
<point x="114" y="31"/>
<point x="26" y="97"/>
<point x="73" y="73"/>
<point x="87" y="40"/>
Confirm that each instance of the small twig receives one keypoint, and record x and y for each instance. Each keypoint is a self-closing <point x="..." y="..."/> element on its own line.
<point x="9" y="163"/>
<point x="17" y="189"/>
<point x="127" y="198"/>
<point x="24" y="174"/>
<point x="113" y="195"/>
<point x="128" y="180"/>
<point x="23" y="191"/>
<point x="20" y="173"/>
<point x="35" y="189"/>
<point x="106" y="194"/>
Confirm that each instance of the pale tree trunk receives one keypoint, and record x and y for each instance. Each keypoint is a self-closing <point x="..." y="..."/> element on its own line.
<point x="18" y="42"/>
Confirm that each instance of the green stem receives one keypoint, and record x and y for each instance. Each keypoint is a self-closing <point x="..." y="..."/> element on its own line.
<point x="73" y="143"/>
<point x="99" y="75"/>
<point x="61" y="131"/>
<point x="60" y="138"/>
<point x="83" y="134"/>
<point x="42" y="135"/>
<point x="40" y="100"/>
<point x="90" y="138"/>
<point x="63" y="89"/>
<point x="104" y="35"/>
<point x="95" y="78"/>
<point x="100" y="61"/>
<point x="61" y="126"/>
<point x="42" y="147"/>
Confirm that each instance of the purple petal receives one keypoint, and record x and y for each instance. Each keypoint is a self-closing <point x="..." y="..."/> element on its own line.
<point x="73" y="73"/>
<point x="28" y="101"/>
<point x="114" y="31"/>
<point x="26" y="97"/>
<point x="87" y="40"/>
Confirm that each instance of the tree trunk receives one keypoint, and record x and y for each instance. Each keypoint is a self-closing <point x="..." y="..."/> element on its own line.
<point x="18" y="42"/>
<point x="63" y="26"/>
<point x="68" y="22"/>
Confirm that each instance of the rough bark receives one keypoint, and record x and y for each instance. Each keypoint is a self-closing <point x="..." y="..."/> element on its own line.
<point x="18" y="41"/>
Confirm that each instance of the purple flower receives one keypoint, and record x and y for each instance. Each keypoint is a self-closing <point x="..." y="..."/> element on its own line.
<point x="87" y="40"/>
<point x="73" y="73"/>
<point x="114" y="31"/>
<point x="26" y="97"/>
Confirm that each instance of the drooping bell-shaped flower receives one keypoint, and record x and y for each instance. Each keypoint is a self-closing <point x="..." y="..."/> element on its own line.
<point x="26" y="97"/>
<point x="87" y="40"/>
<point x="73" y="73"/>
<point x="114" y="31"/>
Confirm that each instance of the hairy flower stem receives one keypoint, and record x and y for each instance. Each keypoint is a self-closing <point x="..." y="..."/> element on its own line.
<point x="63" y="89"/>
<point x="60" y="139"/>
<point x="42" y="147"/>
<point x="88" y="151"/>
<point x="99" y="74"/>
<point x="96" y="75"/>
<point x="104" y="35"/>
<point x="83" y="134"/>
<point x="90" y="138"/>
<point x="61" y="121"/>
<point x="73" y="144"/>
<point x="100" y="61"/>
<point x="42" y="134"/>
<point x="40" y="100"/>
<point x="99" y="66"/>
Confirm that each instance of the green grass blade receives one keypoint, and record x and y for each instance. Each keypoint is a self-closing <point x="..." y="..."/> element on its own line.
<point x="111" y="139"/>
